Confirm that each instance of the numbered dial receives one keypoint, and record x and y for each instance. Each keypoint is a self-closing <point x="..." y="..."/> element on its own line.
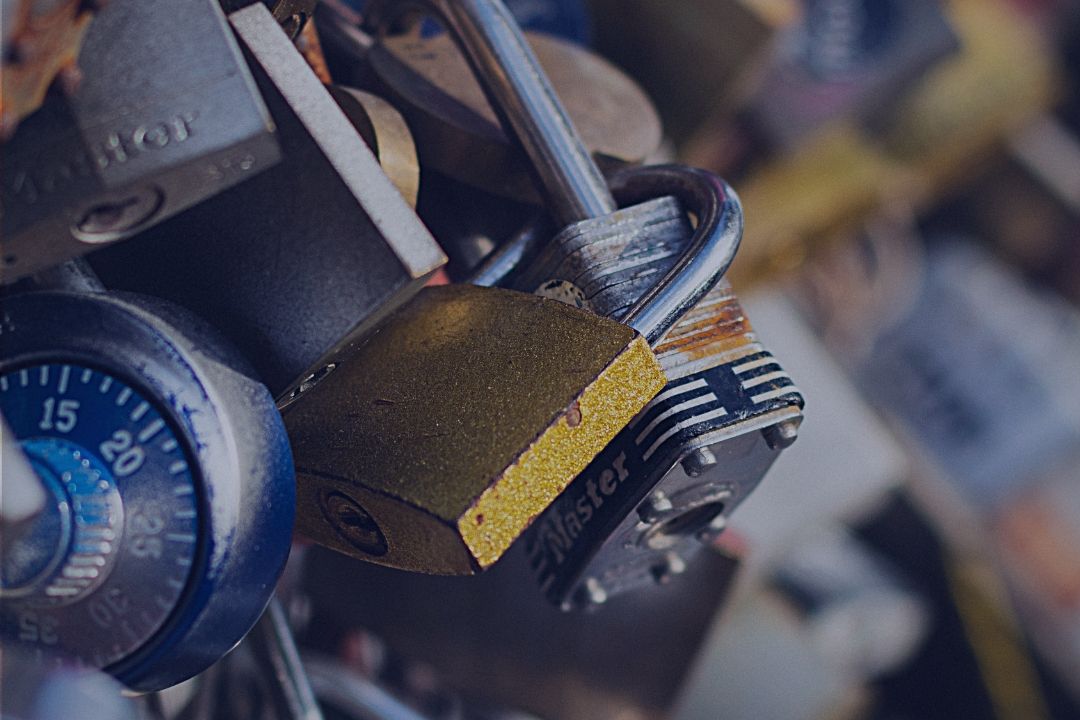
<point x="123" y="514"/>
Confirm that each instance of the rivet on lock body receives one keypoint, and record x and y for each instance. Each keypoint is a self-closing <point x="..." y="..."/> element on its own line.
<point x="298" y="263"/>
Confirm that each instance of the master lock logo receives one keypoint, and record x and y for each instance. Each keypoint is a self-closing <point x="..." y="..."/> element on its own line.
<point x="559" y="532"/>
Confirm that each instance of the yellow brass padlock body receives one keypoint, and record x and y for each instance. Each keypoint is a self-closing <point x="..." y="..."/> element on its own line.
<point x="460" y="420"/>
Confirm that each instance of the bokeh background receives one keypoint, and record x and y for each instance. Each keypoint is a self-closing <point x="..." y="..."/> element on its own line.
<point x="911" y="176"/>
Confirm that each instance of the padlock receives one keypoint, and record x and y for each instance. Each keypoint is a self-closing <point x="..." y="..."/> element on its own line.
<point x="445" y="482"/>
<point x="665" y="487"/>
<point x="591" y="544"/>
<point x="165" y="116"/>
<point x="457" y="421"/>
<point x="300" y="262"/>
<point x="458" y="134"/>
<point x="168" y="482"/>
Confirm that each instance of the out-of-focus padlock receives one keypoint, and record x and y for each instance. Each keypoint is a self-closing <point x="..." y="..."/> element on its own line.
<point x="300" y="262"/>
<point x="458" y="134"/>
<point x="165" y="116"/>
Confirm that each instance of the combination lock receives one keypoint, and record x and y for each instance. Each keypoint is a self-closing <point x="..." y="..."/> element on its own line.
<point x="169" y="486"/>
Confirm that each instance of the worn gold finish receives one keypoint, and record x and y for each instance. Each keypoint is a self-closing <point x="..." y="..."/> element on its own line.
<point x="386" y="133"/>
<point x="544" y="470"/>
<point x="460" y="420"/>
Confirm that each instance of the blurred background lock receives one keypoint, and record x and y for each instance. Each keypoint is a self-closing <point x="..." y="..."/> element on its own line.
<point x="164" y="116"/>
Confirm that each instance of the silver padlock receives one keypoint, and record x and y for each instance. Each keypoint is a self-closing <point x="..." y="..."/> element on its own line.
<point x="299" y="263"/>
<point x="666" y="486"/>
<point x="166" y="115"/>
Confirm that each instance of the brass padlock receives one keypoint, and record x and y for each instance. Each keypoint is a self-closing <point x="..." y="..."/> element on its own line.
<point x="368" y="484"/>
<point x="458" y="421"/>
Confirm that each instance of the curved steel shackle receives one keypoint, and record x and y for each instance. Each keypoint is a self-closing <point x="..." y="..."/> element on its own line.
<point x="521" y="95"/>
<point x="706" y="257"/>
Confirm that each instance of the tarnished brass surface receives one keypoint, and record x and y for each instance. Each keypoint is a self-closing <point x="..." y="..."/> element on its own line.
<point x="458" y="422"/>
<point x="458" y="133"/>
<point x="386" y="133"/>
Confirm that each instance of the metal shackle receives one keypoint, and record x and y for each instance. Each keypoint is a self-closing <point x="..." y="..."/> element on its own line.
<point x="521" y="95"/>
<point x="705" y="258"/>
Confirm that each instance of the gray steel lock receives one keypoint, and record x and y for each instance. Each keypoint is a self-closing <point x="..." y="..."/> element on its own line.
<point x="299" y="263"/>
<point x="165" y="116"/>
<point x="667" y="484"/>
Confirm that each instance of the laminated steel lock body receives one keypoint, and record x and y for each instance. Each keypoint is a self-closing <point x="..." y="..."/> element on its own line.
<point x="666" y="486"/>
<point x="668" y="483"/>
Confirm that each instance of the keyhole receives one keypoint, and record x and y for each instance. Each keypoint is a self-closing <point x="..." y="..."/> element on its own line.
<point x="110" y="220"/>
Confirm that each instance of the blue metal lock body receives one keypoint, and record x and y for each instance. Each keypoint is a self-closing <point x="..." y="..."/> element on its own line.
<point x="170" y="481"/>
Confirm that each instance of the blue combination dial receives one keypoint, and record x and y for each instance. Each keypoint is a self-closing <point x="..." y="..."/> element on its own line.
<point x="169" y="485"/>
<point x="123" y="512"/>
